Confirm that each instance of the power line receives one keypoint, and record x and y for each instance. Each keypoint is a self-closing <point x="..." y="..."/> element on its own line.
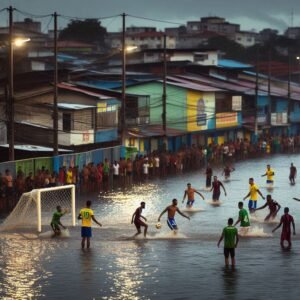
<point x="154" y="20"/>
<point x="32" y="15"/>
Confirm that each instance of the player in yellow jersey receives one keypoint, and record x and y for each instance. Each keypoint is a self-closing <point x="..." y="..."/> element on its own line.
<point x="87" y="215"/>
<point x="253" y="194"/>
<point x="269" y="173"/>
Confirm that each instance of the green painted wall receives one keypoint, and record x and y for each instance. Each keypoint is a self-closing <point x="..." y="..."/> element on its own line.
<point x="176" y="103"/>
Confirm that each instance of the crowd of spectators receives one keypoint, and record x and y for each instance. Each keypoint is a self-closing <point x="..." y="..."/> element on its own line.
<point x="106" y="176"/>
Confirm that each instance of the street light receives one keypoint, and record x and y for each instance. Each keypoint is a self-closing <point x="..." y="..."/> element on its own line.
<point x="17" y="42"/>
<point x="125" y="50"/>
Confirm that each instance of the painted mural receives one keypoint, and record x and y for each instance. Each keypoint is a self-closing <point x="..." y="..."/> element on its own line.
<point x="200" y="111"/>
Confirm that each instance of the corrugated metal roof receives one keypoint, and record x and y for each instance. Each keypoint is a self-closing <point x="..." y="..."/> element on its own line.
<point x="74" y="88"/>
<point x="192" y="85"/>
<point x="73" y="106"/>
<point x="232" y="64"/>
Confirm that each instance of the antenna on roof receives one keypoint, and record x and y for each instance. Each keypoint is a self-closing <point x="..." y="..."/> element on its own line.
<point x="292" y="18"/>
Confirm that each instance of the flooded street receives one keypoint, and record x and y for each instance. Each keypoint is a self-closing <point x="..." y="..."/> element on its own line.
<point x="190" y="266"/>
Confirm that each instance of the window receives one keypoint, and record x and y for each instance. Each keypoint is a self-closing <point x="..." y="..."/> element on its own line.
<point x="131" y="142"/>
<point x="67" y="122"/>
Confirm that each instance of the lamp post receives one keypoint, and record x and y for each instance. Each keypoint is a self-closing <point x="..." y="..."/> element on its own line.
<point x="13" y="42"/>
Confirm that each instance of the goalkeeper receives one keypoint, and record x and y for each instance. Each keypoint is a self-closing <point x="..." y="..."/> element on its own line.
<point x="55" y="222"/>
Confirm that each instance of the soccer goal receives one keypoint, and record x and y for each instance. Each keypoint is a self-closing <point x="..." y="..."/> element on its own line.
<point x="36" y="208"/>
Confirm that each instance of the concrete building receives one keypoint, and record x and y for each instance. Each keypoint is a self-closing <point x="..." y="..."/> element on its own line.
<point x="215" y="24"/>
<point x="246" y="38"/>
<point x="292" y="32"/>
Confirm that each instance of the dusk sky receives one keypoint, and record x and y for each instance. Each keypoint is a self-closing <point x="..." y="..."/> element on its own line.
<point x="254" y="14"/>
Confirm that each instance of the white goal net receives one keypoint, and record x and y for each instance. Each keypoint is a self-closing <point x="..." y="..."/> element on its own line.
<point x="36" y="208"/>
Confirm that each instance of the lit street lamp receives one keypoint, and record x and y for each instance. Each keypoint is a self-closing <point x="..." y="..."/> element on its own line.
<point x="125" y="49"/>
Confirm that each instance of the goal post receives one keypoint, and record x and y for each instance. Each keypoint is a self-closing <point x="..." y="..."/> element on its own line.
<point x="36" y="208"/>
<point x="39" y="204"/>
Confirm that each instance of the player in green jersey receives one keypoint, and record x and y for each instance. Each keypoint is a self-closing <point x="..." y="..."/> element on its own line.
<point x="55" y="222"/>
<point x="231" y="239"/>
<point x="243" y="218"/>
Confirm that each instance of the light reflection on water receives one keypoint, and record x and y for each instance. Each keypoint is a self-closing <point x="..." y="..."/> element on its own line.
<point x="22" y="258"/>
<point x="159" y="268"/>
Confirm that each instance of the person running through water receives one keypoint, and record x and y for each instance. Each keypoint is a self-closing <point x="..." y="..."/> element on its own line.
<point x="274" y="208"/>
<point x="136" y="219"/>
<point x="253" y="194"/>
<point x="209" y="173"/>
<point x="231" y="240"/>
<point x="269" y="173"/>
<point x="55" y="222"/>
<point x="87" y="215"/>
<point x="216" y="188"/>
<point x="172" y="209"/>
<point x="227" y="171"/>
<point x="190" y="193"/>
<point x="293" y="173"/>
<point x="243" y="218"/>
<point x="286" y="220"/>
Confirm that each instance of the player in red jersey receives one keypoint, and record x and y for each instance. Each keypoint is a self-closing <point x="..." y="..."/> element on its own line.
<point x="274" y="207"/>
<point x="286" y="220"/>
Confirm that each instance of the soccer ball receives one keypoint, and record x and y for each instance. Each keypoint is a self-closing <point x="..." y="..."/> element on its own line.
<point x="158" y="226"/>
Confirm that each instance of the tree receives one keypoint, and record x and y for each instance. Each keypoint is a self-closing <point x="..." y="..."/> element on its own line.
<point x="87" y="31"/>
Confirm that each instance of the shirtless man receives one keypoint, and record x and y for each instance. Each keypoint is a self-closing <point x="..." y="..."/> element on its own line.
<point x="274" y="207"/>
<point x="172" y="209"/>
<point x="190" y="193"/>
<point x="136" y="219"/>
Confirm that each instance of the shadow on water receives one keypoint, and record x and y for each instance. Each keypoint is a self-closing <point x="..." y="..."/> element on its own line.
<point x="230" y="276"/>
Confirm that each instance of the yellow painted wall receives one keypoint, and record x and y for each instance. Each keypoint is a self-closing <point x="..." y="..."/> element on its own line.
<point x="192" y="110"/>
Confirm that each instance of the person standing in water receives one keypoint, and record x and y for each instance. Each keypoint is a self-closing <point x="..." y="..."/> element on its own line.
<point x="208" y="173"/>
<point x="136" y="219"/>
<point x="253" y="194"/>
<point x="227" y="171"/>
<point x="216" y="188"/>
<point x="190" y="193"/>
<point x="274" y="207"/>
<point x="172" y="209"/>
<point x="293" y="173"/>
<point x="231" y="240"/>
<point x="269" y="173"/>
<point x="286" y="220"/>
<point x="87" y="215"/>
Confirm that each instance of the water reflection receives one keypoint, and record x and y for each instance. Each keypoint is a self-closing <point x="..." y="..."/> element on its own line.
<point x="128" y="273"/>
<point x="22" y="267"/>
<point x="230" y="280"/>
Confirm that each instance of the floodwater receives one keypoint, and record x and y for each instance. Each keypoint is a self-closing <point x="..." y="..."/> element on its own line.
<point x="188" y="266"/>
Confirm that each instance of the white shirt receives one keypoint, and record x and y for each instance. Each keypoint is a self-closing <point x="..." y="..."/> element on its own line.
<point x="116" y="169"/>
<point x="156" y="162"/>
<point x="146" y="168"/>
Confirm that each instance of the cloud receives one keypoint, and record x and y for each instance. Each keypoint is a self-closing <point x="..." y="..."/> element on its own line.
<point x="275" y="13"/>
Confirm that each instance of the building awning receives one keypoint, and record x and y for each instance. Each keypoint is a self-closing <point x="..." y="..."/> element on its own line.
<point x="33" y="148"/>
<point x="154" y="131"/>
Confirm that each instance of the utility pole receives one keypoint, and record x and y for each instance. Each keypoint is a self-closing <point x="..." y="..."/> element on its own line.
<point x="55" y="91"/>
<point x="11" y="105"/>
<point x="256" y="96"/>
<point x="164" y="95"/>
<point x="289" y="83"/>
<point x="123" y="103"/>
<point x="269" y="88"/>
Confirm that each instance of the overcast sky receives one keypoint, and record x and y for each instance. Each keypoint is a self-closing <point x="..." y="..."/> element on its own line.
<point x="251" y="14"/>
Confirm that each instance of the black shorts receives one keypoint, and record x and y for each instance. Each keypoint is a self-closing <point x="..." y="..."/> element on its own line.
<point x="216" y="196"/>
<point x="230" y="251"/>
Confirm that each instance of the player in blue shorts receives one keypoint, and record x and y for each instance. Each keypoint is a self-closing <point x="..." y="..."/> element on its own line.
<point x="172" y="209"/>
<point x="87" y="215"/>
